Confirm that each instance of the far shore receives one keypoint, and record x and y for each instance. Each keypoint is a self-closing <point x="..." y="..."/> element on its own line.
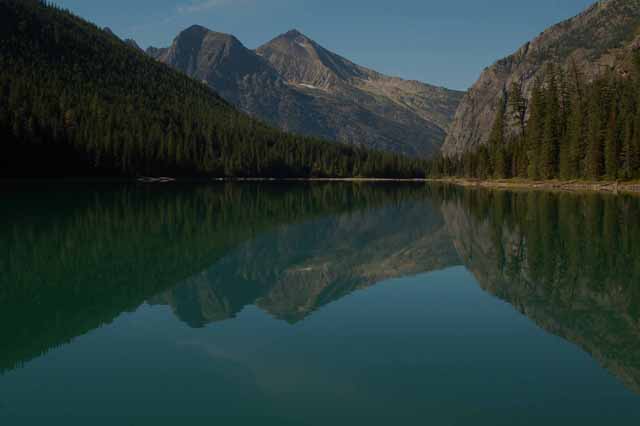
<point x="614" y="187"/>
<point x="503" y="184"/>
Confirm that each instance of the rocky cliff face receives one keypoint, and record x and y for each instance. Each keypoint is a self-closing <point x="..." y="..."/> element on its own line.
<point x="595" y="40"/>
<point x="299" y="86"/>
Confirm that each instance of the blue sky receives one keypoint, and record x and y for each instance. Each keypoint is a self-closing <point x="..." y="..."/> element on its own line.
<point x="443" y="42"/>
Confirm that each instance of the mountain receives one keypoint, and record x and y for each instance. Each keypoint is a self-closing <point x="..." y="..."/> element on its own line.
<point x="594" y="41"/>
<point x="294" y="83"/>
<point x="75" y="100"/>
<point x="237" y="74"/>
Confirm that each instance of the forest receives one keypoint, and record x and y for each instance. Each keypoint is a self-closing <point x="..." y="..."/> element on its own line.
<point x="76" y="101"/>
<point x="569" y="128"/>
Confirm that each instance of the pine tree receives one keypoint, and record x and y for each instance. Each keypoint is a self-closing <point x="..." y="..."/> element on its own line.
<point x="483" y="163"/>
<point x="628" y="160"/>
<point x="635" y="156"/>
<point x="611" y="146"/>
<point x="497" y="142"/>
<point x="534" y="131"/>
<point x="572" y="148"/>
<point x="550" y="133"/>
<point x="518" y="106"/>
<point x="593" y="159"/>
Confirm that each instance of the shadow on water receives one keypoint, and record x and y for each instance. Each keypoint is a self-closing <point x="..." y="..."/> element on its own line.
<point x="76" y="258"/>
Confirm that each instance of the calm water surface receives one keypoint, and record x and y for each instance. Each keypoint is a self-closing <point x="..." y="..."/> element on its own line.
<point x="317" y="304"/>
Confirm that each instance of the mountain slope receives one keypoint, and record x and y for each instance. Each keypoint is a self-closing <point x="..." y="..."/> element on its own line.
<point x="594" y="40"/>
<point x="77" y="101"/>
<point x="299" y="86"/>
<point x="302" y="62"/>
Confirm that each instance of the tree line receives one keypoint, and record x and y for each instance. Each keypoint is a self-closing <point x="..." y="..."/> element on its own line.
<point x="569" y="128"/>
<point x="77" y="101"/>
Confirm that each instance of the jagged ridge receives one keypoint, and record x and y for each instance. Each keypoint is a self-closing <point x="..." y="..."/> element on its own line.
<point x="298" y="85"/>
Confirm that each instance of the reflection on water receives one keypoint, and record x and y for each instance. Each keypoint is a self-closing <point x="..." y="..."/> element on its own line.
<point x="243" y="265"/>
<point x="571" y="263"/>
<point x="82" y="256"/>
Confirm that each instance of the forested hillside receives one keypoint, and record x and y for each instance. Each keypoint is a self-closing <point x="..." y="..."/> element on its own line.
<point x="594" y="40"/>
<point x="569" y="129"/>
<point x="77" y="101"/>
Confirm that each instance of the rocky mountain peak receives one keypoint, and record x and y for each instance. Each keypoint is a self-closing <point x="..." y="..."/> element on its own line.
<point x="294" y="33"/>
<point x="300" y="60"/>
<point x="198" y="50"/>
<point x="197" y="37"/>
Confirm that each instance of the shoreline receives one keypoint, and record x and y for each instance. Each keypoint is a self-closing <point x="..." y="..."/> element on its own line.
<point x="611" y="187"/>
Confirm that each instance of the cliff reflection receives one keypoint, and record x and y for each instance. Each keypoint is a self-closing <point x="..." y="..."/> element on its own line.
<point x="569" y="262"/>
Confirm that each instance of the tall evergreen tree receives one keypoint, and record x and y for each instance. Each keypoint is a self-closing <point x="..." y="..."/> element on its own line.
<point x="628" y="161"/>
<point x="534" y="133"/>
<point x="611" y="146"/>
<point x="497" y="142"/>
<point x="593" y="166"/>
<point x="518" y="106"/>
<point x="573" y="146"/>
<point x="551" y="129"/>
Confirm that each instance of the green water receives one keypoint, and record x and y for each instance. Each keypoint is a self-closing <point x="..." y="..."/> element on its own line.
<point x="278" y="304"/>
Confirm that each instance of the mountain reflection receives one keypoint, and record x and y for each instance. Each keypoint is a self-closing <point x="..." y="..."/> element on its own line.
<point x="75" y="258"/>
<point x="292" y="271"/>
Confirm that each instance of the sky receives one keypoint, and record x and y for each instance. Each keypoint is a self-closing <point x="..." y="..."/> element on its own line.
<point x="442" y="42"/>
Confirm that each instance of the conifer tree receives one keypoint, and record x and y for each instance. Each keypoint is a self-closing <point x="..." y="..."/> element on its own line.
<point x="518" y="106"/>
<point x="497" y="142"/>
<point x="635" y="156"/>
<point x="534" y="133"/>
<point x="572" y="147"/>
<point x="611" y="146"/>
<point x="593" y="158"/>
<point x="551" y="129"/>
<point x="628" y="160"/>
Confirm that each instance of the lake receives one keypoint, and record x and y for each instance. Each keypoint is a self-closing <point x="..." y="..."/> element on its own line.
<point x="315" y="304"/>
